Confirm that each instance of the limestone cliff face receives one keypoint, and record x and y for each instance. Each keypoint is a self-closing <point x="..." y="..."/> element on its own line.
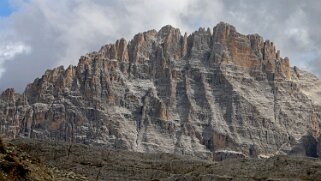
<point x="214" y="92"/>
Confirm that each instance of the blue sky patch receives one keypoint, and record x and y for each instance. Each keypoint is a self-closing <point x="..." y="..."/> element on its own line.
<point x="5" y="8"/>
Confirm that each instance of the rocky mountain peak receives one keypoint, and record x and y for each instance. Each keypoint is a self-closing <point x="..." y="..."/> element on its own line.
<point x="165" y="31"/>
<point x="209" y="94"/>
<point x="8" y="95"/>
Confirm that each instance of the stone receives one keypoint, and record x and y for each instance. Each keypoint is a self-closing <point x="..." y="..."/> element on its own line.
<point x="162" y="91"/>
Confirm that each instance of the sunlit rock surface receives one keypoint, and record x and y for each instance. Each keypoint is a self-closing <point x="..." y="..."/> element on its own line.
<point x="210" y="94"/>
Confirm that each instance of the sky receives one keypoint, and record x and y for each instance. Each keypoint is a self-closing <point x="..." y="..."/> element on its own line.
<point x="5" y="9"/>
<point x="36" y="35"/>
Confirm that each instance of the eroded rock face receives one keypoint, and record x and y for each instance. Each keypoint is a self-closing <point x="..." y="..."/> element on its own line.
<point x="167" y="92"/>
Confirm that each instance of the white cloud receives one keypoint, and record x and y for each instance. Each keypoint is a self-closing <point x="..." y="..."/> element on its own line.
<point x="9" y="51"/>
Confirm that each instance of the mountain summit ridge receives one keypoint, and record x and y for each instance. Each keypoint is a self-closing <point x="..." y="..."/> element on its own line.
<point x="210" y="94"/>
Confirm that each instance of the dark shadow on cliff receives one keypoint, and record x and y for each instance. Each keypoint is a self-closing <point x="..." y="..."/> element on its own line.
<point x="307" y="146"/>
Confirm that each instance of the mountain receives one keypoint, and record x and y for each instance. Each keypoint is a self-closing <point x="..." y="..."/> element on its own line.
<point x="212" y="94"/>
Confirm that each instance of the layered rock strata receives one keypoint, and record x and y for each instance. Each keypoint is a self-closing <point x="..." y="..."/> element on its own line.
<point x="208" y="93"/>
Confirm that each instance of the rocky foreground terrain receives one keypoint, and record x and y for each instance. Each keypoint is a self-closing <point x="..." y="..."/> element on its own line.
<point x="82" y="162"/>
<point x="212" y="94"/>
<point x="17" y="165"/>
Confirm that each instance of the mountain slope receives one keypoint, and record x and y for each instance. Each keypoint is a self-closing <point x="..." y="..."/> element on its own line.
<point x="212" y="93"/>
<point x="17" y="165"/>
<point x="98" y="163"/>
